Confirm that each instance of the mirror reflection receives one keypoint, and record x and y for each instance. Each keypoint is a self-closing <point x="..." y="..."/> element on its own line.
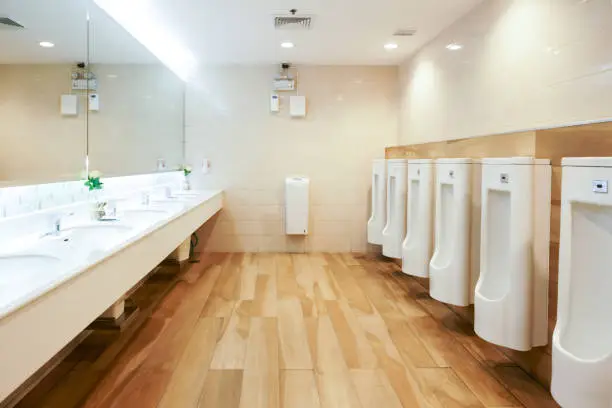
<point x="43" y="119"/>
<point x="135" y="104"/>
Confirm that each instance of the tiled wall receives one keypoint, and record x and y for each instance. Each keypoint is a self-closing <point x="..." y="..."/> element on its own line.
<point x="524" y="64"/>
<point x="352" y="116"/>
<point x="26" y="209"/>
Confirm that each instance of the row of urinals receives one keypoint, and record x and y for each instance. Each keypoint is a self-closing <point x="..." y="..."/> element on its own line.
<point x="479" y="230"/>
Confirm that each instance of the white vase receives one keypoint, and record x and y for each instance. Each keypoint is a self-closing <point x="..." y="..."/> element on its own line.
<point x="186" y="183"/>
<point x="97" y="205"/>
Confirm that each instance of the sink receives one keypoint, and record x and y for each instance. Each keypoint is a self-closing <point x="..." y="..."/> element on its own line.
<point x="24" y="273"/>
<point x="93" y="238"/>
<point x="26" y="263"/>
<point x="172" y="205"/>
<point x="144" y="216"/>
<point x="185" y="194"/>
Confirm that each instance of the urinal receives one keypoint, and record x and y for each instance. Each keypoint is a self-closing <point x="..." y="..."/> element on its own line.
<point x="418" y="245"/>
<point x="449" y="269"/>
<point x="511" y="297"/>
<point x="377" y="221"/>
<point x="582" y="340"/>
<point x="395" y="229"/>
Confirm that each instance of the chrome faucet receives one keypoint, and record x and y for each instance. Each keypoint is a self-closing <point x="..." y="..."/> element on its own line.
<point x="56" y="224"/>
<point x="145" y="198"/>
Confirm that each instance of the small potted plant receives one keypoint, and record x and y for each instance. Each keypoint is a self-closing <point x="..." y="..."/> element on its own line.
<point x="186" y="171"/>
<point x="95" y="186"/>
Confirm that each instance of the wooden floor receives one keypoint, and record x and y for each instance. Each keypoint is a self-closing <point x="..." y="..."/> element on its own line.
<point x="306" y="331"/>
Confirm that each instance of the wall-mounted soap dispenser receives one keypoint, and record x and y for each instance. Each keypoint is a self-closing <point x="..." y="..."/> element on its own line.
<point x="582" y="340"/>
<point x="511" y="299"/>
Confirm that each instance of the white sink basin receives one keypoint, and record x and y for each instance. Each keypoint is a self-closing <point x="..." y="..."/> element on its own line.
<point x="26" y="263"/>
<point x="91" y="240"/>
<point x="172" y="205"/>
<point x="23" y="273"/>
<point x="184" y="194"/>
<point x="145" y="216"/>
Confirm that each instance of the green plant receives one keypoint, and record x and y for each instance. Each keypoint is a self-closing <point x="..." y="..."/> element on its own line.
<point x="93" y="181"/>
<point x="186" y="170"/>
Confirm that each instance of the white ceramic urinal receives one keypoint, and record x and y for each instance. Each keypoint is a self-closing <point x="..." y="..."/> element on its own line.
<point x="379" y="202"/>
<point x="418" y="245"/>
<point x="449" y="269"/>
<point x="511" y="299"/>
<point x="395" y="229"/>
<point x="582" y="340"/>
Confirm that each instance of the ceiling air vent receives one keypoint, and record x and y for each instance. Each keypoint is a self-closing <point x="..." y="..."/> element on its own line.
<point x="292" y="22"/>
<point x="8" y="22"/>
<point x="405" y="33"/>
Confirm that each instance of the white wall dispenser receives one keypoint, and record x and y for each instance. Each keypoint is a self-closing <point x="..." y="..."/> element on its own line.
<point x="582" y="340"/>
<point x="449" y="270"/>
<point x="418" y="246"/>
<point x="377" y="221"/>
<point x="297" y="192"/>
<point x="395" y="229"/>
<point x="511" y="299"/>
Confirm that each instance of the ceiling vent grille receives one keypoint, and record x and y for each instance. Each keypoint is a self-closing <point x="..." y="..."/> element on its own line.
<point x="6" y="22"/>
<point x="405" y="33"/>
<point x="292" y="22"/>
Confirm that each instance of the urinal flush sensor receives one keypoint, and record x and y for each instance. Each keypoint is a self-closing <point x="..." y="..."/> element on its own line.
<point x="600" y="186"/>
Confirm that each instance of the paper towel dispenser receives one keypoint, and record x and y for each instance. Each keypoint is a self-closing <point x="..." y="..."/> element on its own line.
<point x="297" y="192"/>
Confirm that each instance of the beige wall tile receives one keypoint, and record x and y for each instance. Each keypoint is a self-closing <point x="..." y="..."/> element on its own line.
<point x="352" y="116"/>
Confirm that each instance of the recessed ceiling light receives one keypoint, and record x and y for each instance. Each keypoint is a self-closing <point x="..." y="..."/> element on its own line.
<point x="287" y="45"/>
<point x="391" y="46"/>
<point x="454" y="47"/>
<point x="46" y="44"/>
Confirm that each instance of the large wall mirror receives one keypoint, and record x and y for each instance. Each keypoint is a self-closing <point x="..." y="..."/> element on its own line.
<point x="136" y="110"/>
<point x="43" y="121"/>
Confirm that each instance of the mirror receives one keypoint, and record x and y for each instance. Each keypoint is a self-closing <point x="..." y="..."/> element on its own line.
<point x="135" y="117"/>
<point x="40" y="44"/>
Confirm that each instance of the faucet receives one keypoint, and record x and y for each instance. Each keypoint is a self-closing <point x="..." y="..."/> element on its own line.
<point x="145" y="198"/>
<point x="56" y="224"/>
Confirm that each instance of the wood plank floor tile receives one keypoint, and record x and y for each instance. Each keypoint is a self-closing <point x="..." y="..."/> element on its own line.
<point x="529" y="393"/>
<point x="261" y="381"/>
<point x="216" y="306"/>
<point x="336" y="390"/>
<point x="293" y="339"/>
<point x="297" y="331"/>
<point x="265" y="302"/>
<point x="175" y="314"/>
<point x="248" y="279"/>
<point x="479" y="378"/>
<point x="231" y="348"/>
<point x="188" y="377"/>
<point x="355" y="347"/>
<point x="298" y="389"/>
<point x="222" y="388"/>
<point x="350" y="290"/>
<point x="400" y="375"/>
<point x="374" y="390"/>
<point x="443" y="389"/>
<point x="409" y="345"/>
<point x="287" y="287"/>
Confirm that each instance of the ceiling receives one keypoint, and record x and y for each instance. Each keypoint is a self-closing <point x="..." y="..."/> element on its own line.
<point x="64" y="23"/>
<point x="229" y="31"/>
<point x="343" y="31"/>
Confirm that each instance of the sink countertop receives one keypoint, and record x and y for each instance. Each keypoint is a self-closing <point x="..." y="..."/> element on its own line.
<point x="16" y="294"/>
